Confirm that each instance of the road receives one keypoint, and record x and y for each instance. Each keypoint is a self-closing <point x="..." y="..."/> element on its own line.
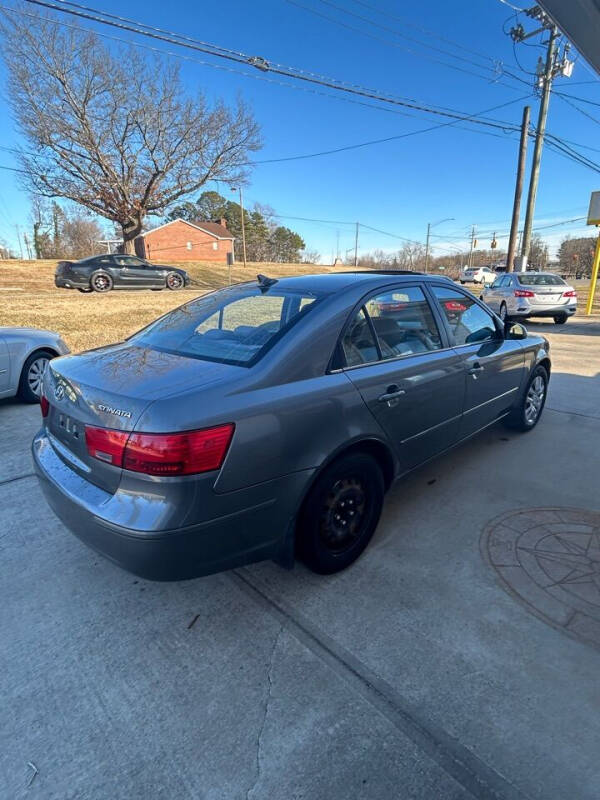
<point x="441" y="665"/>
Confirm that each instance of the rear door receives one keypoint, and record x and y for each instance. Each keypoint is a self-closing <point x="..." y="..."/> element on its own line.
<point x="396" y="354"/>
<point x="494" y="367"/>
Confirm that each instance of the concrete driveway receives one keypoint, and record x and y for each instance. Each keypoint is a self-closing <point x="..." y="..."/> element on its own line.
<point x="458" y="658"/>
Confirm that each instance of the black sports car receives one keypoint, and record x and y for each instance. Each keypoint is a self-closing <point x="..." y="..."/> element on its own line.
<point x="106" y="272"/>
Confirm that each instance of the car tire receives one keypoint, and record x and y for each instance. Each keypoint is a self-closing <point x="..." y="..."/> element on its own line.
<point x="526" y="415"/>
<point x="31" y="376"/>
<point x="340" y="513"/>
<point x="560" y="319"/>
<point x="87" y="290"/>
<point x="174" y="281"/>
<point x="503" y="313"/>
<point x="101" y="282"/>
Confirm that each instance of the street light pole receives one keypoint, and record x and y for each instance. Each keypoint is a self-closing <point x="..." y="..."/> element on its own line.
<point x="243" y="225"/>
<point x="431" y="225"/>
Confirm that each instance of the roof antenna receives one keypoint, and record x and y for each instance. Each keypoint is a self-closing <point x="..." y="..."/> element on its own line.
<point x="265" y="282"/>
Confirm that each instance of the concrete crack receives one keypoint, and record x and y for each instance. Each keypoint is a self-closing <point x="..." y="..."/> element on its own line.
<point x="266" y="704"/>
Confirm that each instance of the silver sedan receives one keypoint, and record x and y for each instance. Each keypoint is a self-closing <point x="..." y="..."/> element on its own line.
<point x="521" y="295"/>
<point x="24" y="354"/>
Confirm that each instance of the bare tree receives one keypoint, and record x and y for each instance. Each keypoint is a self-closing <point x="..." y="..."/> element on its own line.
<point x="112" y="130"/>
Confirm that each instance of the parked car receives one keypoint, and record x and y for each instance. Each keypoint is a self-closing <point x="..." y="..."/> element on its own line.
<point x="106" y="272"/>
<point x="24" y="354"/>
<point x="484" y="275"/>
<point x="269" y="418"/>
<point x="521" y="295"/>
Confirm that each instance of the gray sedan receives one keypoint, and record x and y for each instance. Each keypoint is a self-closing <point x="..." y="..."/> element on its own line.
<point x="24" y="354"/>
<point x="268" y="419"/>
<point x="521" y="295"/>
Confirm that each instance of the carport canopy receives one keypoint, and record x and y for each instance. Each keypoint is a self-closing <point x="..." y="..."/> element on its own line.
<point x="579" y="20"/>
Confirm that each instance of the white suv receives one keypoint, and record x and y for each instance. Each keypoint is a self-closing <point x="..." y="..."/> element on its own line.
<point x="483" y="275"/>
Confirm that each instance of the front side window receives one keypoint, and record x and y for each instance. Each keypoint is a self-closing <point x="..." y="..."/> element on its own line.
<point x="232" y="326"/>
<point x="129" y="261"/>
<point x="403" y="322"/>
<point x="469" y="322"/>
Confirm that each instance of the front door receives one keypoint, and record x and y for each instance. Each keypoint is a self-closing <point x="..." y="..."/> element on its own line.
<point x="136" y="273"/>
<point x="413" y="385"/>
<point x="494" y="367"/>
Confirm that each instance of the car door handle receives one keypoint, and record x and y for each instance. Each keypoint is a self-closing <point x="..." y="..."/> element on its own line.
<point x="476" y="368"/>
<point x="392" y="393"/>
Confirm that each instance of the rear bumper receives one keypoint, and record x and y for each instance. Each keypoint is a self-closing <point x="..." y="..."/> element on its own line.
<point x="68" y="283"/>
<point x="255" y="523"/>
<point x="544" y="311"/>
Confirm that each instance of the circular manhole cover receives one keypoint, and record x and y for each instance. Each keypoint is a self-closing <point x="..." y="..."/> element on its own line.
<point x="550" y="559"/>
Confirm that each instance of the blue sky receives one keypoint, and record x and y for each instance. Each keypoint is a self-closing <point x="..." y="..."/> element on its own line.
<point x="397" y="186"/>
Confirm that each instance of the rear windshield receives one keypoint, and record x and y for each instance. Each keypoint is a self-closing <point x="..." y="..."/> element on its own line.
<point x="540" y="279"/>
<point x="232" y="326"/>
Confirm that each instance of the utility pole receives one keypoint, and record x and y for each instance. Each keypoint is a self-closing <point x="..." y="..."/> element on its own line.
<point x="546" y="72"/>
<point x="514" y="225"/>
<point x="431" y="225"/>
<point x="243" y="224"/>
<point x="19" y="240"/>
<point x="473" y="240"/>
<point x="26" y="239"/>
<point x="356" y="246"/>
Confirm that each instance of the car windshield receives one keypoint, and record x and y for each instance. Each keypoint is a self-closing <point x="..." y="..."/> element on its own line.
<point x="232" y="326"/>
<point x="540" y="279"/>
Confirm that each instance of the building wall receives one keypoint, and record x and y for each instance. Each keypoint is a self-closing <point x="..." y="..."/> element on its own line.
<point x="181" y="242"/>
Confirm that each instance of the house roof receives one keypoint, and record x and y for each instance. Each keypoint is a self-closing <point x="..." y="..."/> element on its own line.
<point x="212" y="228"/>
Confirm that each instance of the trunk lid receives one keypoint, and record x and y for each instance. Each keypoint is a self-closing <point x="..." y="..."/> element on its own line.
<point x="110" y="388"/>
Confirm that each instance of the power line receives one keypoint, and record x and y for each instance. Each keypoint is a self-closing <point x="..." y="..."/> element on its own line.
<point x="403" y="35"/>
<point x="427" y="32"/>
<point x="262" y="64"/>
<point x="362" y="32"/>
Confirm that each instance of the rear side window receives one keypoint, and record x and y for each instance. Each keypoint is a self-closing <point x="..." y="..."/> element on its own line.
<point x="232" y="326"/>
<point x="468" y="321"/>
<point x="403" y="322"/>
<point x="540" y="279"/>
<point x="358" y="343"/>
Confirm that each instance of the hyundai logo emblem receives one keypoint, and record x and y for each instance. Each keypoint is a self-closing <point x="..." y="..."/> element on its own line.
<point x="59" y="392"/>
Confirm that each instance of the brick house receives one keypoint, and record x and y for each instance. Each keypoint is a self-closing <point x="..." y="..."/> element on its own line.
<point x="186" y="241"/>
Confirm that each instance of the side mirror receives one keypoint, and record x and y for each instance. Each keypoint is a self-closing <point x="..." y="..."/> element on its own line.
<point x="514" y="330"/>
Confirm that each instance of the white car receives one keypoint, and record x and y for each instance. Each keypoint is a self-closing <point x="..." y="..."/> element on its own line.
<point x="24" y="354"/>
<point x="520" y="295"/>
<point x="483" y="275"/>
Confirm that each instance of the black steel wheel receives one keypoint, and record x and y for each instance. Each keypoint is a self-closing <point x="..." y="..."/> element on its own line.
<point x="340" y="513"/>
<point x="526" y="414"/>
<point x="101" y="282"/>
<point x="174" y="281"/>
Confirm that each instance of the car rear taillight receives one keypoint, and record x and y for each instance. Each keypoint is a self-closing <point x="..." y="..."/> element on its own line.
<point x="524" y="293"/>
<point x="44" y="405"/>
<point x="161" y="453"/>
<point x="572" y="293"/>
<point x="106" y="444"/>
